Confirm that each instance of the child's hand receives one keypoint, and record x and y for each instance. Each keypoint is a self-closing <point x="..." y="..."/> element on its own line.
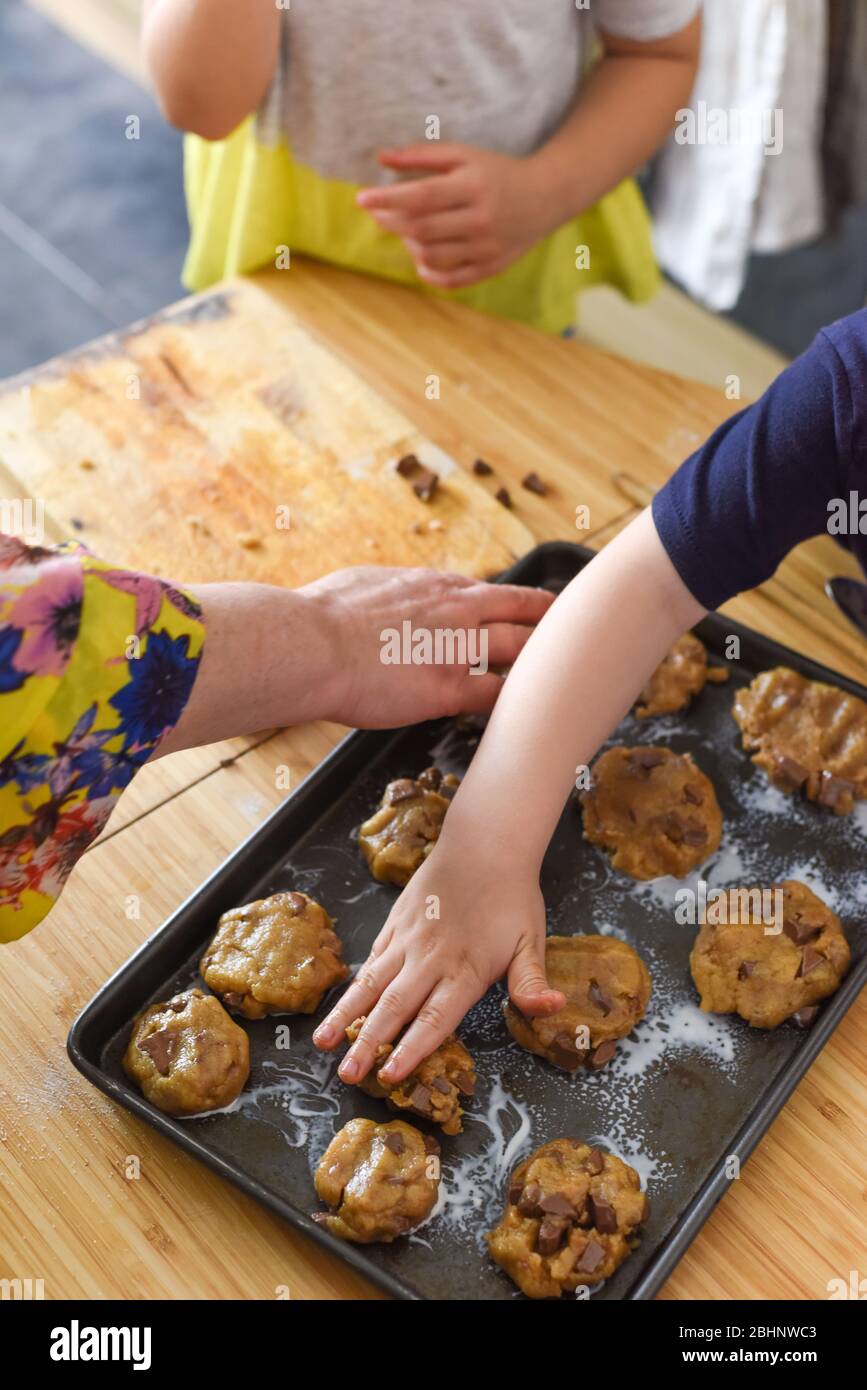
<point x="470" y="216"/>
<point x="427" y="971"/>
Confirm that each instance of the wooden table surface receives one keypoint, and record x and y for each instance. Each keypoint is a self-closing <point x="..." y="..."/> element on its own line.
<point x="604" y="433"/>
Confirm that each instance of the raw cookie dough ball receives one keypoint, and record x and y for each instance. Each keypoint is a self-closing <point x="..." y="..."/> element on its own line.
<point x="276" y="956"/>
<point x="187" y="1056"/>
<point x="607" y="985"/>
<point x="571" y="1219"/>
<point x="400" y="835"/>
<point x="653" y="810"/>
<point x="433" y="1090"/>
<point x="380" y="1180"/>
<point x="679" y="676"/>
<point x="738" y="968"/>
<point x="806" y="736"/>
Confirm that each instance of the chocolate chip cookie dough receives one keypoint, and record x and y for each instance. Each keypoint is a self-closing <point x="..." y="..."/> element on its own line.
<point x="806" y="737"/>
<point x="278" y="955"/>
<point x="739" y="967"/>
<point x="678" y="678"/>
<point x="379" y="1180"/>
<point x="607" y="986"/>
<point x="187" y="1056"/>
<point x="653" y="810"/>
<point x="434" y="1090"/>
<point x="400" y="835"/>
<point x="571" y="1219"/>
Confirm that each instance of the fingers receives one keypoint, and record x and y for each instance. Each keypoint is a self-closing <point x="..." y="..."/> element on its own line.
<point x="399" y="1002"/>
<point x="370" y="982"/>
<point x="444" y="255"/>
<point x="528" y="987"/>
<point x="513" y="603"/>
<point x="453" y="279"/>
<point x="477" y="694"/>
<point x="439" y="1015"/>
<point x="416" y="197"/>
<point x="458" y="224"/>
<point x="504" y="642"/>
<point x="424" y="154"/>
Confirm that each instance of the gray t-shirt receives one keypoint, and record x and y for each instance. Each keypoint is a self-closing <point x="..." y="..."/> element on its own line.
<point x="359" y="76"/>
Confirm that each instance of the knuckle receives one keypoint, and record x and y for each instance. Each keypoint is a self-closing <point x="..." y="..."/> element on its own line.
<point x="432" y="1015"/>
<point x="366" y="978"/>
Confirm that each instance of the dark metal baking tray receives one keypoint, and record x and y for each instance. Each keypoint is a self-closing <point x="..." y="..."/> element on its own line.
<point x="686" y="1091"/>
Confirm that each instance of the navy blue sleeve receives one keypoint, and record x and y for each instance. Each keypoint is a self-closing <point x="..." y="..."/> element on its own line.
<point x="763" y="481"/>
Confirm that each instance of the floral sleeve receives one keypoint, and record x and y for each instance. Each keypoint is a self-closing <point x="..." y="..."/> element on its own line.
<point x="96" y="666"/>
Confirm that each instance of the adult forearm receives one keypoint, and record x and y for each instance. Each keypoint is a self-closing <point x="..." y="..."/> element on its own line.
<point x="576" y="678"/>
<point x="210" y="60"/>
<point x="624" y="113"/>
<point x="269" y="660"/>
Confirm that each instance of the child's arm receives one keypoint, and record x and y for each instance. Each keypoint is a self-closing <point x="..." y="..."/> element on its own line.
<point x="761" y="484"/>
<point x="481" y="210"/>
<point x="210" y="60"/>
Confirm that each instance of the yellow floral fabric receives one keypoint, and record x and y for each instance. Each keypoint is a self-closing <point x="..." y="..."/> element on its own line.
<point x="247" y="200"/>
<point x="96" y="666"/>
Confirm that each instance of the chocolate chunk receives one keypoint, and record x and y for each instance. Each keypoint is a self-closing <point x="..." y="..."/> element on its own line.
<point x="595" y="1161"/>
<point x="790" y="774"/>
<point x="430" y="779"/>
<point x="601" y="1055"/>
<point x="691" y="795"/>
<point x="466" y="1083"/>
<point x="420" y="1099"/>
<point x="551" y="1233"/>
<point x="591" y="1259"/>
<point x="515" y="1190"/>
<point x="566" y="1053"/>
<point x="161" y="1048"/>
<point x="408" y="465"/>
<point x="833" y="791"/>
<point x="394" y="1141"/>
<point x="430" y="1144"/>
<point x="686" y="832"/>
<point x="178" y="1005"/>
<point x="603" y="1215"/>
<point x="426" y="484"/>
<point x="440" y="1084"/>
<point x="502" y="495"/>
<point x="232" y="999"/>
<point x="810" y="960"/>
<point x="533" y="483"/>
<point x="482" y="469"/>
<point x="402" y="790"/>
<point x="557" y="1204"/>
<point x="599" y="998"/>
<point x="646" y="757"/>
<point x="528" y="1203"/>
<point x="799" y="929"/>
<point x="804" y="1017"/>
<point x="296" y="902"/>
<point x="695" y="835"/>
<point x="746" y="968"/>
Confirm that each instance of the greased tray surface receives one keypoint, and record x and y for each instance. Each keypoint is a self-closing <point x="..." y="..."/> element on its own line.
<point x="686" y="1091"/>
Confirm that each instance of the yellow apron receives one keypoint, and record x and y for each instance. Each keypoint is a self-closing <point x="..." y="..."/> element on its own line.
<point x="246" y="200"/>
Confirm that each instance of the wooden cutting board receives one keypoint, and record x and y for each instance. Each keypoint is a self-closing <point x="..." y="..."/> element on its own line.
<point x="221" y="440"/>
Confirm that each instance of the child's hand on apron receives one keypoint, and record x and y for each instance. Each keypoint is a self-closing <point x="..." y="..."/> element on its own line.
<point x="469" y="215"/>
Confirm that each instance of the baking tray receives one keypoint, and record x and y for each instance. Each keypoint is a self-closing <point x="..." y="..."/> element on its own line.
<point x="686" y="1091"/>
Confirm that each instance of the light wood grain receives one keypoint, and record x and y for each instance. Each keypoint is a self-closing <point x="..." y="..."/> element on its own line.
<point x="798" y="1215"/>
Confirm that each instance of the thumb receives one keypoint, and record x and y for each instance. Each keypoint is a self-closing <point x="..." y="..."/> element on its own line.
<point x="424" y="154"/>
<point x="528" y="987"/>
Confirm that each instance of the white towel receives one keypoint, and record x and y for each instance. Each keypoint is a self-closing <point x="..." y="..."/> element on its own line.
<point x="763" y="65"/>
